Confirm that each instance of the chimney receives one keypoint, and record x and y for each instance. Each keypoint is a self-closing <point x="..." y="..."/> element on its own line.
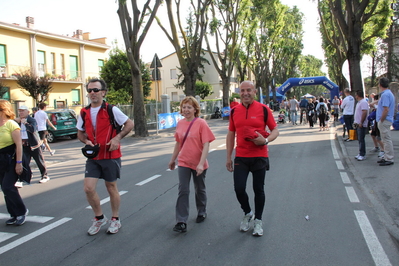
<point x="30" y="22"/>
<point x="79" y="34"/>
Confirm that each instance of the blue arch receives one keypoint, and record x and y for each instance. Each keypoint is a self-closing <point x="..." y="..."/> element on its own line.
<point x="295" y="82"/>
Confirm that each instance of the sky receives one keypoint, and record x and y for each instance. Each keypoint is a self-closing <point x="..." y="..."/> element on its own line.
<point x="99" y="17"/>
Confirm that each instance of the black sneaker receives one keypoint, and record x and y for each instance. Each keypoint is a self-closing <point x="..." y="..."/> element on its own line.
<point x="200" y="218"/>
<point x="20" y="220"/>
<point x="381" y="161"/>
<point x="180" y="227"/>
<point x="11" y="221"/>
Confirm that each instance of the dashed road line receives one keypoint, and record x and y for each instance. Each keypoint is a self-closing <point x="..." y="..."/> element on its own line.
<point x="29" y="218"/>
<point x="352" y="195"/>
<point x="345" y="178"/>
<point x="340" y="166"/>
<point x="108" y="199"/>
<point x="377" y="252"/>
<point x="32" y="235"/>
<point x="5" y="236"/>
<point x="147" y="180"/>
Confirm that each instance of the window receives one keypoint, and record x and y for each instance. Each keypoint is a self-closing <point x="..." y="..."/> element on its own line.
<point x="173" y="74"/>
<point x="5" y="93"/>
<point x="75" y="97"/>
<point x="41" y="63"/>
<point x="73" y="66"/>
<point x="62" y="64"/>
<point x="100" y="65"/>
<point x="3" y="62"/>
<point x="53" y="71"/>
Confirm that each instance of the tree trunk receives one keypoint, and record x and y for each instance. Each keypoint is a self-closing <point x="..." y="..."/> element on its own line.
<point x="226" y="91"/>
<point x="140" y="123"/>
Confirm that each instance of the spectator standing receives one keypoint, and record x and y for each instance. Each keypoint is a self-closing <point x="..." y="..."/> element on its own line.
<point x="11" y="167"/>
<point x="303" y="105"/>
<point x="311" y="112"/>
<point x="251" y="154"/>
<point x="384" y="117"/>
<point x="234" y="103"/>
<point x="31" y="142"/>
<point x="335" y="102"/>
<point x="360" y="118"/>
<point x="94" y="128"/>
<point x="375" y="132"/>
<point x="348" y="105"/>
<point x="294" y="106"/>
<point x="193" y="137"/>
<point x="322" y="110"/>
<point x="42" y="122"/>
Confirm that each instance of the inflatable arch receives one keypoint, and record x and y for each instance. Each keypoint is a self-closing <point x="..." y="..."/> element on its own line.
<point x="295" y="82"/>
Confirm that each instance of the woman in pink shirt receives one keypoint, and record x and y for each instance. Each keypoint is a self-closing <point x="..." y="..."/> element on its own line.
<point x="193" y="136"/>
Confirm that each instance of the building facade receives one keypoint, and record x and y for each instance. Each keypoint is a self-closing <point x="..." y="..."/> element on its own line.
<point x="67" y="61"/>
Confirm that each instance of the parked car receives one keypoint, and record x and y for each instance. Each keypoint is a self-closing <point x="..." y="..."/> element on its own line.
<point x="64" y="121"/>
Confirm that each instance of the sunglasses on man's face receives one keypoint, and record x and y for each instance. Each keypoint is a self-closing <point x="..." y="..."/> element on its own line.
<point x="95" y="90"/>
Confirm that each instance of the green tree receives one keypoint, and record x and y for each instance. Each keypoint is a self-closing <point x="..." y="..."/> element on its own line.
<point x="3" y="89"/>
<point x="310" y="66"/>
<point x="117" y="73"/>
<point x="228" y="26"/>
<point x="203" y="89"/>
<point x="36" y="87"/>
<point x="188" y="53"/>
<point x="134" y="32"/>
<point x="360" y="22"/>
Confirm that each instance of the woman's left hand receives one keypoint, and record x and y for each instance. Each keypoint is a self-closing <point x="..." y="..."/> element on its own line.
<point x="200" y="169"/>
<point x="18" y="168"/>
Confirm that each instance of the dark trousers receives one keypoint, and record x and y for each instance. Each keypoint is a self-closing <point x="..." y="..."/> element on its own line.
<point x="348" y="120"/>
<point x="242" y="167"/>
<point x="14" y="203"/>
<point x="361" y="134"/>
<point x="310" y="119"/>
<point x="37" y="155"/>
<point x="322" y="120"/>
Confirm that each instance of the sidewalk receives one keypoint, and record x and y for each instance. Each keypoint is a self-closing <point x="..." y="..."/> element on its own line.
<point x="379" y="183"/>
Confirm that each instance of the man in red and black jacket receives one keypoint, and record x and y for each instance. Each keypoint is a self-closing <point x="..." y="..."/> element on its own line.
<point x="95" y="129"/>
<point x="251" y="152"/>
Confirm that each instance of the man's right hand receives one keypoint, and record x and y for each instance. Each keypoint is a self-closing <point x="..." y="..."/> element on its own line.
<point x="229" y="165"/>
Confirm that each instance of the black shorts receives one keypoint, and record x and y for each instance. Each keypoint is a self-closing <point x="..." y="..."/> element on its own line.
<point x="109" y="169"/>
<point x="374" y="130"/>
<point x="43" y="134"/>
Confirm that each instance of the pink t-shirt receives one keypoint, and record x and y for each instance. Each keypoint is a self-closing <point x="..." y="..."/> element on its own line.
<point x="361" y="105"/>
<point x="200" y="133"/>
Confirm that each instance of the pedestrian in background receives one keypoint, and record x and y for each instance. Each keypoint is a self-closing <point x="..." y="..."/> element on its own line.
<point x="348" y="107"/>
<point x="322" y="110"/>
<point x="384" y="117"/>
<point x="335" y="102"/>
<point x="193" y="137"/>
<point x="42" y="122"/>
<point x="294" y="107"/>
<point x="311" y="113"/>
<point x="95" y="130"/>
<point x="11" y="164"/>
<point x="360" y="118"/>
<point x="375" y="132"/>
<point x="31" y="142"/>
<point x="251" y="153"/>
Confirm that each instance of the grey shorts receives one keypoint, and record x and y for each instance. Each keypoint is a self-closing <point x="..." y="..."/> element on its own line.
<point x="109" y="169"/>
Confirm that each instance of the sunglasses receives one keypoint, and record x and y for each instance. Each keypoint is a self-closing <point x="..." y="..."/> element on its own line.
<point x="95" y="90"/>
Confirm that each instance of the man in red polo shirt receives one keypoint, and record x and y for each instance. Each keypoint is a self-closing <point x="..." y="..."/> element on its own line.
<point x="251" y="152"/>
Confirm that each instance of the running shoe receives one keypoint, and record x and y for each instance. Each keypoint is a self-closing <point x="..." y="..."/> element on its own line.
<point x="381" y="154"/>
<point x="52" y="152"/>
<point x="114" y="226"/>
<point x="258" y="230"/>
<point x="44" y="179"/>
<point x="245" y="221"/>
<point x="357" y="156"/>
<point x="361" y="158"/>
<point x="180" y="227"/>
<point x="200" y="218"/>
<point x="97" y="224"/>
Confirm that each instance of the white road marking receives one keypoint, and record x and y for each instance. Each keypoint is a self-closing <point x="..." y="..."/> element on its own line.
<point x="340" y="166"/>
<point x="147" y="180"/>
<point x="345" y="178"/>
<point x="352" y="195"/>
<point x="334" y="148"/>
<point x="108" y="199"/>
<point x="172" y="170"/>
<point x="4" y="236"/>
<point x="36" y="233"/>
<point x="32" y="218"/>
<point x="222" y="145"/>
<point x="212" y="150"/>
<point x="377" y="252"/>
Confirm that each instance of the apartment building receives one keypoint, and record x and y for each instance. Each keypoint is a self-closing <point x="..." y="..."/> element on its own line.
<point x="67" y="60"/>
<point x="169" y="77"/>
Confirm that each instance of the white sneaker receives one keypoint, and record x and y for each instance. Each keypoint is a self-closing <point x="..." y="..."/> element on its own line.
<point x="258" y="230"/>
<point x="52" y="152"/>
<point x="375" y="149"/>
<point x="361" y="158"/>
<point x="44" y="179"/>
<point x="114" y="226"/>
<point x="245" y="221"/>
<point x="381" y="154"/>
<point x="96" y="226"/>
<point x="19" y="184"/>
<point x="357" y="156"/>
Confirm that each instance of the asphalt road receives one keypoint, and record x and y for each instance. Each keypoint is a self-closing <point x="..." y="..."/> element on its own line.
<point x="308" y="178"/>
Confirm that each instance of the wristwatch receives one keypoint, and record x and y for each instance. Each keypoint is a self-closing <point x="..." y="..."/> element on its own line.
<point x="266" y="141"/>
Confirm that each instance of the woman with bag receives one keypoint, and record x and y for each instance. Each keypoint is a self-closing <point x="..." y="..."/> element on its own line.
<point x="193" y="137"/>
<point x="11" y="164"/>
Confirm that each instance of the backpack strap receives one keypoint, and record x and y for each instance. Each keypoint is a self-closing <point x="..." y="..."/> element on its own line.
<point x="110" y="114"/>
